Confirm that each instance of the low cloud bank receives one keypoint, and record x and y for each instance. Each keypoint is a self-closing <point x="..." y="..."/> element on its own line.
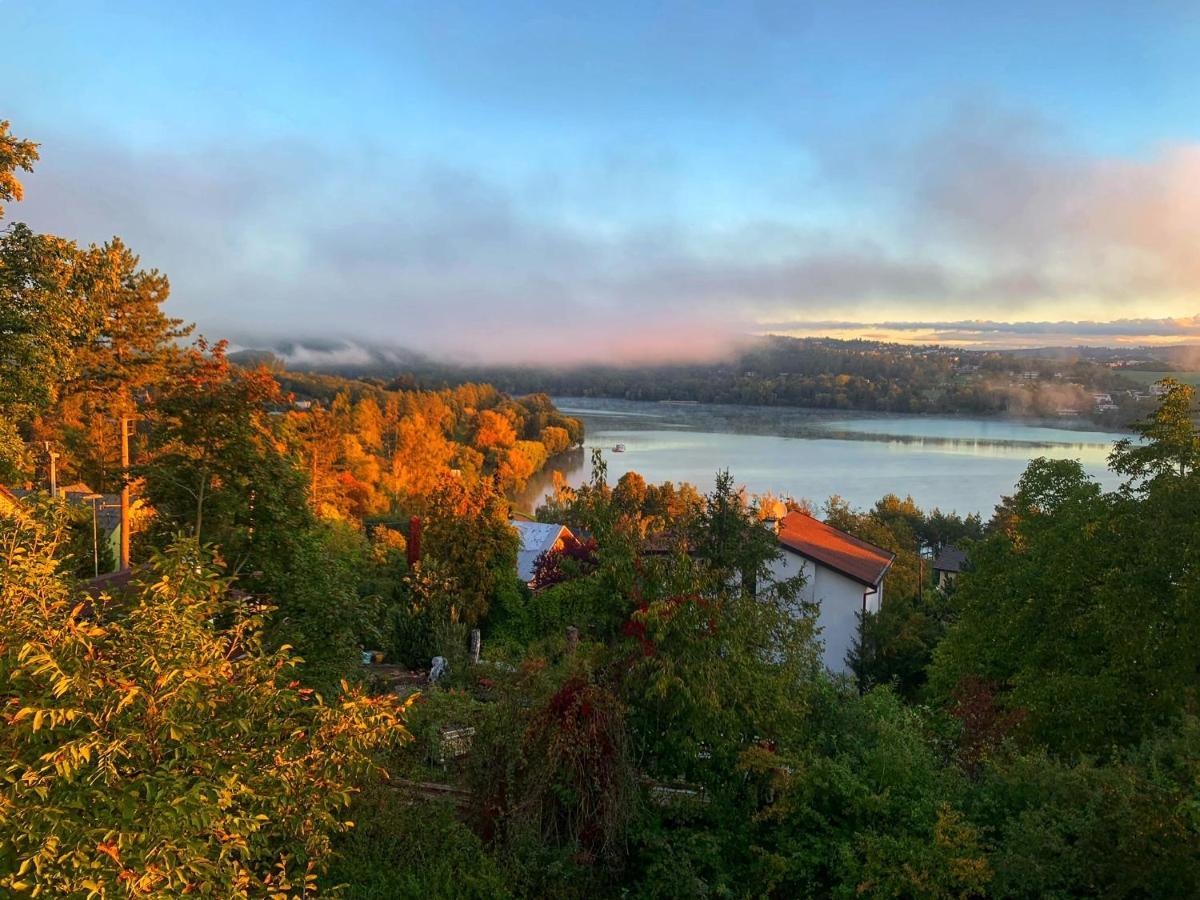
<point x="1117" y="332"/>
<point x="987" y="214"/>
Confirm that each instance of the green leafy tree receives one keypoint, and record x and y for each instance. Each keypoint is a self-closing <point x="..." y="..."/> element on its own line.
<point x="867" y="809"/>
<point x="219" y="469"/>
<point x="1170" y="441"/>
<point x="729" y="537"/>
<point x="43" y="318"/>
<point x="1082" y="608"/>
<point x="1125" y="829"/>
<point x="153" y="745"/>
<point x="467" y="538"/>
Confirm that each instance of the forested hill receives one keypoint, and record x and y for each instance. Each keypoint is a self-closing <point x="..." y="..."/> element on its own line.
<point x="824" y="373"/>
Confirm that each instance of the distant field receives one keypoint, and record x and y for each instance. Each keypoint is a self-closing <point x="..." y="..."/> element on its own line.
<point x="1192" y="378"/>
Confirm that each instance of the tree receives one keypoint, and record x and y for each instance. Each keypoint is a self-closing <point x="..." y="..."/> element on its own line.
<point x="15" y="153"/>
<point x="729" y="536"/>
<point x="867" y="809"/>
<point x="217" y="467"/>
<point x="128" y="354"/>
<point x="219" y="470"/>
<point x="1170" y="441"/>
<point x="467" y="539"/>
<point x="1081" y="607"/>
<point x="43" y="319"/>
<point x="629" y="496"/>
<point x="80" y="328"/>
<point x="152" y="745"/>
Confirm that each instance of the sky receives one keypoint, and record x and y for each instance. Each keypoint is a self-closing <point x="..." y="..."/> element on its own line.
<point x="558" y="182"/>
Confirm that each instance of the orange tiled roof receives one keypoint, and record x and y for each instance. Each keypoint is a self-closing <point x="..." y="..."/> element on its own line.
<point x="830" y="547"/>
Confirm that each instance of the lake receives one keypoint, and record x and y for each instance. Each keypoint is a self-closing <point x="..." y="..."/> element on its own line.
<point x="960" y="464"/>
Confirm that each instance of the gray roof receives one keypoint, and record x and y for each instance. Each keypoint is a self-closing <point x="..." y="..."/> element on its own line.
<point x="536" y="539"/>
<point x="951" y="559"/>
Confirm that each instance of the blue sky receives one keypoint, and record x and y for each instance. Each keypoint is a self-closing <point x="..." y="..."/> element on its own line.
<point x="537" y="181"/>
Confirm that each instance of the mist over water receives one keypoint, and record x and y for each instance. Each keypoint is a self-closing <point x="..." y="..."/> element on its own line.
<point x="959" y="464"/>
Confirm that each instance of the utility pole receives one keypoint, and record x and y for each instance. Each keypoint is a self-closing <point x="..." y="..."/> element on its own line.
<point x="53" y="469"/>
<point x="124" y="492"/>
<point x="920" y="573"/>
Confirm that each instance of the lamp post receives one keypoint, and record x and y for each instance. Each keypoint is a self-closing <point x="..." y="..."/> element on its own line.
<point x="95" y="532"/>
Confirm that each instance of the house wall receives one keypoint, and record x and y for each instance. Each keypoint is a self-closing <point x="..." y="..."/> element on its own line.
<point x="839" y="599"/>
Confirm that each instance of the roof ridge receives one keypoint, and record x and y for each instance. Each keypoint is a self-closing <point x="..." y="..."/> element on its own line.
<point x="821" y="542"/>
<point x="854" y="539"/>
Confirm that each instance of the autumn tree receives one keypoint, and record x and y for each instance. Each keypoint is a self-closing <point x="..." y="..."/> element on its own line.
<point x="214" y="455"/>
<point x="129" y="353"/>
<point x="494" y="431"/>
<point x="154" y="745"/>
<point x="81" y="330"/>
<point x="15" y="153"/>
<point x="467" y="539"/>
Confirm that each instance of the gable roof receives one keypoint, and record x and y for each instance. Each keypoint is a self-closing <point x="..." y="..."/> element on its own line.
<point x="536" y="539"/>
<point x="834" y="549"/>
<point x="951" y="559"/>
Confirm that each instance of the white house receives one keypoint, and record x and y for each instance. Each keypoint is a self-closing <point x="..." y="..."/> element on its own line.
<point x="843" y="574"/>
<point x="536" y="539"/>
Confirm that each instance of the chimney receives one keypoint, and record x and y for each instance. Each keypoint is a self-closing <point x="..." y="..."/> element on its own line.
<point x="414" y="541"/>
<point x="773" y="513"/>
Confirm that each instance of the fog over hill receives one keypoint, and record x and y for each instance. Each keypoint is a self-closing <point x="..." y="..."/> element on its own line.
<point x="354" y="358"/>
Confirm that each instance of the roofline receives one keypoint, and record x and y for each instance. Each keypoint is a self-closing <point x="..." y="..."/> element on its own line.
<point x="840" y="570"/>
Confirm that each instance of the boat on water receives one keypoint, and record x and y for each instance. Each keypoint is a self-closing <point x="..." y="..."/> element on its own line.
<point x="618" y="448"/>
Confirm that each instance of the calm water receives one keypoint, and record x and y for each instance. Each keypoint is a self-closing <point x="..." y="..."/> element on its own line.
<point x="952" y="463"/>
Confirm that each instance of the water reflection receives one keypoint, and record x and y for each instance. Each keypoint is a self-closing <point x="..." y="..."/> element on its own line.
<point x="953" y="463"/>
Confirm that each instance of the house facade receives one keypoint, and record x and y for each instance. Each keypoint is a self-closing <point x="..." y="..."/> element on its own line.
<point x="843" y="576"/>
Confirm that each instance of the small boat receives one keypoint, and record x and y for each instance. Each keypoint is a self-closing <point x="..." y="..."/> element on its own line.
<point x="618" y="448"/>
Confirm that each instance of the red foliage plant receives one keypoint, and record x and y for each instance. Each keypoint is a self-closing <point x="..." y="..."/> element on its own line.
<point x="579" y="768"/>
<point x="986" y="724"/>
<point x="580" y="556"/>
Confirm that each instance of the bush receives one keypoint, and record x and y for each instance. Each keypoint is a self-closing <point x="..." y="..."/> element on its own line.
<point x="399" y="850"/>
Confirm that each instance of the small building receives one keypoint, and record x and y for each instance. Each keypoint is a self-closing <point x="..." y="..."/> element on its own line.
<point x="843" y="575"/>
<point x="947" y="565"/>
<point x="106" y="507"/>
<point x="537" y="538"/>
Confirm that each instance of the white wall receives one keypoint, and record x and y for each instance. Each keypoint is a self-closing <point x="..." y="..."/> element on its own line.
<point x="840" y="601"/>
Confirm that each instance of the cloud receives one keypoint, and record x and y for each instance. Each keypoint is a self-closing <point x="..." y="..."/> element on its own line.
<point x="1004" y="334"/>
<point x="1011" y="191"/>
<point x="989" y="214"/>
